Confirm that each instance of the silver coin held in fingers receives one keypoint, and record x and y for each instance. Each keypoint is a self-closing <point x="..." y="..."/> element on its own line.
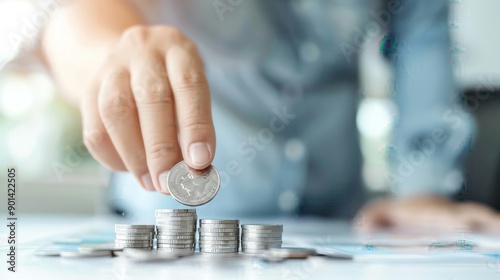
<point x="193" y="187"/>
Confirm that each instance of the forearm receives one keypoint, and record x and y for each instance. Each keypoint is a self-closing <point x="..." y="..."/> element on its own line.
<point x="77" y="39"/>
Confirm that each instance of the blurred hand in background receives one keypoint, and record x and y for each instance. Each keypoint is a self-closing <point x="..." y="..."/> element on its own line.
<point x="429" y="213"/>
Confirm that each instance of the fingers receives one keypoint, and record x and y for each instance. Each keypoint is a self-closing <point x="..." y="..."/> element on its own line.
<point x="479" y="217"/>
<point x="155" y="106"/>
<point x="376" y="214"/>
<point x="119" y="116"/>
<point x="428" y="214"/>
<point x="95" y="136"/>
<point x="193" y="108"/>
<point x="152" y="108"/>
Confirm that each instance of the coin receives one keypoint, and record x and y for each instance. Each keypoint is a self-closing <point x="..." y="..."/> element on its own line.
<point x="160" y="211"/>
<point x="185" y="227"/>
<point x="266" y="246"/>
<point x="138" y="247"/>
<point x="207" y="249"/>
<point x="125" y="237"/>
<point x="256" y="235"/>
<point x="291" y="252"/>
<point x="218" y="238"/>
<point x="244" y="249"/>
<point x="133" y="246"/>
<point x="220" y="250"/>
<point x="126" y="226"/>
<point x="176" y="232"/>
<point x="260" y="245"/>
<point x="175" y="241"/>
<point x="133" y="230"/>
<point x="166" y="224"/>
<point x="261" y="239"/>
<point x="177" y="226"/>
<point x="130" y="242"/>
<point x="133" y="241"/>
<point x="270" y="231"/>
<point x="219" y="230"/>
<point x="176" y="229"/>
<point x="212" y="221"/>
<point x="193" y="187"/>
<point x="217" y="243"/>
<point x="120" y="245"/>
<point x="257" y="238"/>
<point x="132" y="234"/>
<point x="219" y="234"/>
<point x="261" y="227"/>
<point x="181" y="237"/>
<point x="182" y="246"/>
<point x="98" y="247"/>
<point x="84" y="254"/>
<point x="214" y="226"/>
<point x="176" y="219"/>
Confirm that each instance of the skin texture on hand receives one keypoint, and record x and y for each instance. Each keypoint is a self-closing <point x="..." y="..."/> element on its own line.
<point x="142" y="90"/>
<point x="150" y="106"/>
<point x="429" y="213"/>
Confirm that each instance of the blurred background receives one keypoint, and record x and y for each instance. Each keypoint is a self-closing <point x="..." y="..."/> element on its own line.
<point x="40" y="133"/>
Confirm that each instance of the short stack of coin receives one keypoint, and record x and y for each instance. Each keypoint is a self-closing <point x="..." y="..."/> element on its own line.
<point x="134" y="236"/>
<point x="255" y="239"/>
<point x="219" y="236"/>
<point x="176" y="230"/>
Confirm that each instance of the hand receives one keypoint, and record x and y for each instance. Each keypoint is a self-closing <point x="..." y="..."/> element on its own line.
<point x="429" y="213"/>
<point x="149" y="107"/>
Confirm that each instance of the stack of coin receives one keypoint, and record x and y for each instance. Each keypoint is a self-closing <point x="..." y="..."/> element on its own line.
<point x="219" y="236"/>
<point x="176" y="230"/>
<point x="134" y="236"/>
<point x="255" y="239"/>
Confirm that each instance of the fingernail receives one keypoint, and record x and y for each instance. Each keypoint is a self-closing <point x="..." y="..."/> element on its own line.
<point x="199" y="153"/>
<point x="163" y="178"/>
<point x="147" y="181"/>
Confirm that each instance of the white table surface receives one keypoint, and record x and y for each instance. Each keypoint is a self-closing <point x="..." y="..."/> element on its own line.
<point x="35" y="230"/>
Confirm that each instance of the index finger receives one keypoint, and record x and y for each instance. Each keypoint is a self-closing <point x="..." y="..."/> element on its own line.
<point x="192" y="104"/>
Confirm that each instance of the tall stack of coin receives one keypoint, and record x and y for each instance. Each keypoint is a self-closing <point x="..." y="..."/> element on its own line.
<point x="134" y="236"/>
<point x="176" y="230"/>
<point x="219" y="236"/>
<point x="255" y="239"/>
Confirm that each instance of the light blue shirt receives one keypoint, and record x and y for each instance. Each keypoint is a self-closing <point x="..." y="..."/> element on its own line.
<point x="284" y="84"/>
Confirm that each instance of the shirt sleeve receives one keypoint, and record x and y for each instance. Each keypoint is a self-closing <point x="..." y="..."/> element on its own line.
<point x="433" y="131"/>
